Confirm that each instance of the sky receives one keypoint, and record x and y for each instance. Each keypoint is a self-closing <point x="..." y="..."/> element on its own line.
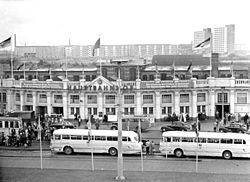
<point x="54" y="22"/>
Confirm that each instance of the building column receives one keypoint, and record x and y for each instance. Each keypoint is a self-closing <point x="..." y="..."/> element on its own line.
<point x="21" y="100"/>
<point x="157" y="106"/>
<point x="194" y="104"/>
<point x="212" y="103"/>
<point x="65" y="105"/>
<point x="99" y="103"/>
<point x="49" y="103"/>
<point x="83" y="113"/>
<point x="9" y="100"/>
<point x="177" y="102"/>
<point x="138" y="103"/>
<point x="232" y="94"/>
<point x="34" y="94"/>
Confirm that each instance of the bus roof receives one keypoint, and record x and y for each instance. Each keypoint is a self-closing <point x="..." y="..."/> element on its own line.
<point x="93" y="132"/>
<point x="205" y="134"/>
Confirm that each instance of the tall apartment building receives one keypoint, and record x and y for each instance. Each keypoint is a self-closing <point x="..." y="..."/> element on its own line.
<point x="200" y="36"/>
<point x="224" y="39"/>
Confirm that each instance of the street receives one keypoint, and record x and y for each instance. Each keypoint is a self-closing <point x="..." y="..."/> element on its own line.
<point x="158" y="168"/>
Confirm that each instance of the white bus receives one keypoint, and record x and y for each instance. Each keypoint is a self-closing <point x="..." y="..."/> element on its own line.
<point x="227" y="145"/>
<point x="98" y="141"/>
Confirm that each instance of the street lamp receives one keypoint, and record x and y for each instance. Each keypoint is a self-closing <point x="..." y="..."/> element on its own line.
<point x="222" y="100"/>
<point x="119" y="115"/>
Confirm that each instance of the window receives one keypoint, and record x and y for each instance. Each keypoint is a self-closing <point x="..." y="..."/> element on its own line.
<point x="43" y="98"/>
<point x="151" y="77"/>
<point x="129" y="99"/>
<point x="76" y="137"/>
<point x="95" y="111"/>
<point x="29" y="98"/>
<point x="18" y="97"/>
<point x="226" y="141"/>
<point x="167" y="139"/>
<point x="163" y="110"/>
<point x="3" y="98"/>
<point x="57" y="137"/>
<point x="57" y="98"/>
<point x="222" y="98"/>
<point x="110" y="99"/>
<point x="132" y="111"/>
<point x="145" y="110"/>
<point x="167" y="98"/>
<point x="201" y="97"/>
<point x="112" y="138"/>
<point x="187" y="139"/>
<point x="65" y="137"/>
<point x="92" y="99"/>
<point x="6" y="124"/>
<point x="72" y="111"/>
<point x="184" y="98"/>
<point x="85" y="137"/>
<point x="148" y="99"/>
<point x="144" y="78"/>
<point x="176" y="139"/>
<point x="126" y="112"/>
<point x="74" y="99"/>
<point x="241" y="98"/>
<point x="150" y="110"/>
<point x="237" y="141"/>
<point x="212" y="140"/>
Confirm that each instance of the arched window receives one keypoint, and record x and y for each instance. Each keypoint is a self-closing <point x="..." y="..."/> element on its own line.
<point x="144" y="78"/>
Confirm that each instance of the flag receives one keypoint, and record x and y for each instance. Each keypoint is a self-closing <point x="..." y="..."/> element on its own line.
<point x="189" y="67"/>
<point x="96" y="46"/>
<point x="173" y="69"/>
<point x="20" y="66"/>
<point x="203" y="43"/>
<point x="5" y="43"/>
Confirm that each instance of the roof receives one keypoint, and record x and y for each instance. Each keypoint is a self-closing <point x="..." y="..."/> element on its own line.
<point x="180" y="60"/>
<point x="93" y="132"/>
<point x="206" y="134"/>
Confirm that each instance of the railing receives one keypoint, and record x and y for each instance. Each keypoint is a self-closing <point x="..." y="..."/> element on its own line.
<point x="242" y="82"/>
<point x="202" y="83"/>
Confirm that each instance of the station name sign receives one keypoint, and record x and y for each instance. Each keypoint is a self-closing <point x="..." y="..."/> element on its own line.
<point x="101" y="88"/>
<point x="42" y="85"/>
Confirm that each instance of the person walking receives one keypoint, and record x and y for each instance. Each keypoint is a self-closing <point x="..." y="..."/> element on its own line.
<point x="152" y="147"/>
<point x="147" y="147"/>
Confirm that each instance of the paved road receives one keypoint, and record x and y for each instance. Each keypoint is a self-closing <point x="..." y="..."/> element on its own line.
<point x="80" y="169"/>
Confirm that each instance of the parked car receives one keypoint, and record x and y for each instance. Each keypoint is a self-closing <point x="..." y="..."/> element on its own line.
<point x="234" y="127"/>
<point x="175" y="126"/>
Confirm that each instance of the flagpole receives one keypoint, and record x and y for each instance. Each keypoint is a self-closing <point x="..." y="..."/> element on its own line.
<point x="197" y="147"/>
<point x="40" y="136"/>
<point x="24" y="70"/>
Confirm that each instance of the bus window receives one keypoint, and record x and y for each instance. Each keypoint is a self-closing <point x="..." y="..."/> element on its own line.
<point x="97" y="137"/>
<point x="65" y="137"/>
<point x="226" y="141"/>
<point x="85" y="137"/>
<point x="125" y="139"/>
<point x="212" y="140"/>
<point x="167" y="139"/>
<point x="1" y="124"/>
<point x="187" y="139"/>
<point x="129" y="139"/>
<point x="176" y="139"/>
<point x="112" y="138"/>
<point x="202" y="140"/>
<point x="76" y="137"/>
<point x="57" y="137"/>
<point x="244" y="141"/>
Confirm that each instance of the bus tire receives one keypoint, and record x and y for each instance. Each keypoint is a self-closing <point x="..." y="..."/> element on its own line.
<point x="178" y="153"/>
<point x="68" y="150"/>
<point x="113" y="151"/>
<point x="227" y="154"/>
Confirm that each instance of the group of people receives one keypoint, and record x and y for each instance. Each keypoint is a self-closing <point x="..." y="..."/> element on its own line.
<point x="149" y="147"/>
<point x="174" y="117"/>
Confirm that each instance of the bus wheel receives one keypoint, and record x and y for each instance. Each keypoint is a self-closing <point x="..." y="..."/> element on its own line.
<point x="113" y="151"/>
<point x="178" y="153"/>
<point x="227" y="154"/>
<point x="68" y="150"/>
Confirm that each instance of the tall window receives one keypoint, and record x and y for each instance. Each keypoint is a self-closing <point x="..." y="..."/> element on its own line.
<point x="166" y="98"/>
<point x="58" y="99"/>
<point x="74" y="99"/>
<point x="201" y="97"/>
<point x="110" y="99"/>
<point x="92" y="99"/>
<point x="148" y="99"/>
<point x="18" y="97"/>
<point x="29" y="98"/>
<point x="184" y="98"/>
<point x="129" y="99"/>
<point x="43" y="98"/>
<point x="222" y="97"/>
<point x="132" y="74"/>
<point x="241" y="98"/>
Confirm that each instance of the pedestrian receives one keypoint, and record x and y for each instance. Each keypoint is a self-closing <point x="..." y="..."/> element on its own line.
<point x="147" y="147"/>
<point x="97" y="125"/>
<point x="246" y="117"/>
<point x="152" y="147"/>
<point x="79" y="121"/>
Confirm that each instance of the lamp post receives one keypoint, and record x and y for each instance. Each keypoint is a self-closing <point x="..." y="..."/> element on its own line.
<point x="222" y="100"/>
<point x="119" y="115"/>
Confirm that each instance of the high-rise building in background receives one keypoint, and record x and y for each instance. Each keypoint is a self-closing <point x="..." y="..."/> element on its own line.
<point x="224" y="39"/>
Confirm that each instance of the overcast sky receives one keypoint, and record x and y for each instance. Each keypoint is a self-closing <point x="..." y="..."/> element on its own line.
<point x="53" y="22"/>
